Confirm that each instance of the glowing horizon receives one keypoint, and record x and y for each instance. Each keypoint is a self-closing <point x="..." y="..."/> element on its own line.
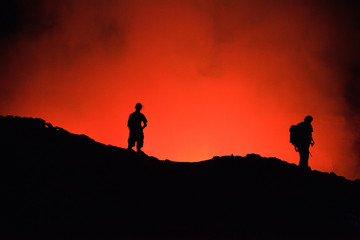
<point x="215" y="78"/>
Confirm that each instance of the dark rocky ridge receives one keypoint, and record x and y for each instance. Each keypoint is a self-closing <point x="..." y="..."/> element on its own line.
<point x="59" y="185"/>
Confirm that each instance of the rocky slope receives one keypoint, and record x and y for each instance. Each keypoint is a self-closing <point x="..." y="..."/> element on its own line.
<point x="60" y="185"/>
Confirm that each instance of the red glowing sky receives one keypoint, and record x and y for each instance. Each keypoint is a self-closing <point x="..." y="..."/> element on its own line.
<point x="214" y="77"/>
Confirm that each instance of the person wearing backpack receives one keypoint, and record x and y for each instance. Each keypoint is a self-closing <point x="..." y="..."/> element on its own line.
<point x="301" y="138"/>
<point x="136" y="123"/>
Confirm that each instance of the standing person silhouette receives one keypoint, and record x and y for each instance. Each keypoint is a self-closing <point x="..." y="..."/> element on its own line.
<point x="304" y="141"/>
<point x="136" y="128"/>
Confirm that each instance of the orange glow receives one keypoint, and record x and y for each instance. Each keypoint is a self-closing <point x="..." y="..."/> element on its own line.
<point x="214" y="79"/>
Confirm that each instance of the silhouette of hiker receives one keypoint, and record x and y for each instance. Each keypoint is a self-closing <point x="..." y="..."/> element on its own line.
<point x="301" y="137"/>
<point x="136" y="128"/>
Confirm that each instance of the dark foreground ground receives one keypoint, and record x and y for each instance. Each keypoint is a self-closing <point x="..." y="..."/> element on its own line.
<point x="57" y="185"/>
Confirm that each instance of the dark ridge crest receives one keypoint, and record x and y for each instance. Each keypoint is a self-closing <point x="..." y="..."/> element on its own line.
<point x="59" y="185"/>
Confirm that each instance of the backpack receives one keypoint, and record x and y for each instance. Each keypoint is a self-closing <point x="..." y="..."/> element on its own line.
<point x="295" y="134"/>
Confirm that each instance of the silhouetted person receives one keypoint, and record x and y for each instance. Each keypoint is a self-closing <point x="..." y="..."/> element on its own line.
<point x="136" y="123"/>
<point x="301" y="138"/>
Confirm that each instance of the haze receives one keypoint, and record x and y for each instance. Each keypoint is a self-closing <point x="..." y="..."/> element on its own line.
<point x="215" y="77"/>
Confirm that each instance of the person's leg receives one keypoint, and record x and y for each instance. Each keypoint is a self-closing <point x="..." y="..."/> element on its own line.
<point x="131" y="140"/>
<point x="304" y="157"/>
<point x="140" y="142"/>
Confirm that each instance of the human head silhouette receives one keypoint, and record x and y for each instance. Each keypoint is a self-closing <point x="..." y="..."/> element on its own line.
<point x="308" y="119"/>
<point x="138" y="107"/>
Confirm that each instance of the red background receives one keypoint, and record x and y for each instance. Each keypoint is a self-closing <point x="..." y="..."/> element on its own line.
<point x="214" y="77"/>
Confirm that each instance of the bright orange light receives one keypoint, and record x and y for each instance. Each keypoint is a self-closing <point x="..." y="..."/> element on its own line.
<point x="213" y="80"/>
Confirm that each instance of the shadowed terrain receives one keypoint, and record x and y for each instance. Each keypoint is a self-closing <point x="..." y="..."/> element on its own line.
<point x="59" y="185"/>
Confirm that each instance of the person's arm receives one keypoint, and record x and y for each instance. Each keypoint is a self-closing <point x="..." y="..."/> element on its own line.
<point x="145" y="122"/>
<point x="129" y="121"/>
